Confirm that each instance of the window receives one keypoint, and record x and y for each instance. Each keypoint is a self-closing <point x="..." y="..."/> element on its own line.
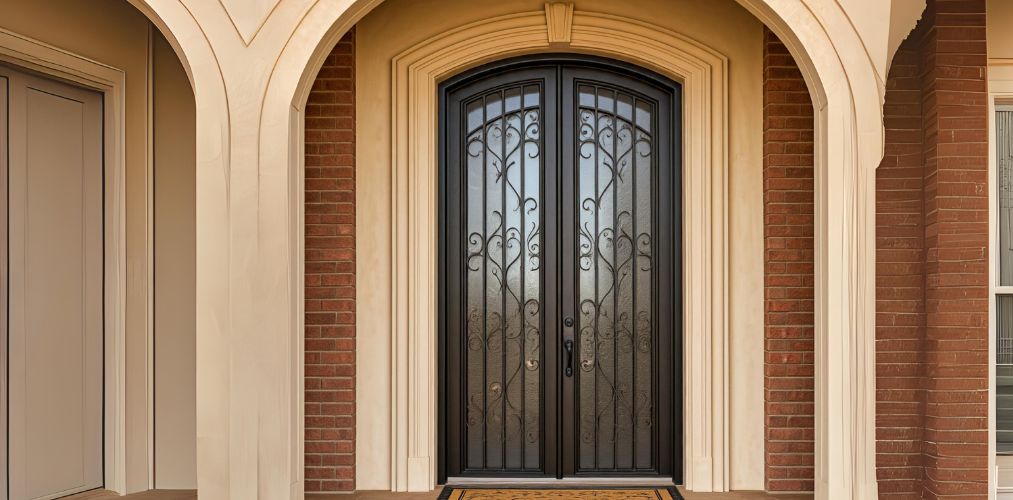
<point x="1004" y="288"/>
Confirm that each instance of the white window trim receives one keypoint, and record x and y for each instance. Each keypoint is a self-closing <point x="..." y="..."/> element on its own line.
<point x="1000" y="98"/>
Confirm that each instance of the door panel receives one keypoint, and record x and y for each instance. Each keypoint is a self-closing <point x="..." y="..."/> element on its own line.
<point x="559" y="309"/>
<point x="615" y="155"/>
<point x="498" y="215"/>
<point x="55" y="260"/>
<point x="503" y="280"/>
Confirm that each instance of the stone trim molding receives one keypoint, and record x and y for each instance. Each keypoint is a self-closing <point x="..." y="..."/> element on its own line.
<point x="416" y="74"/>
<point x="559" y="22"/>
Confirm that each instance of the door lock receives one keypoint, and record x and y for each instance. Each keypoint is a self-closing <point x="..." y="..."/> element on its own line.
<point x="568" y="322"/>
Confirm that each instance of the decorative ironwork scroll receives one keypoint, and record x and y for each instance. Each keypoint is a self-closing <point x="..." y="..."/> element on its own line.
<point x="562" y="216"/>
<point x="503" y="279"/>
<point x="615" y="386"/>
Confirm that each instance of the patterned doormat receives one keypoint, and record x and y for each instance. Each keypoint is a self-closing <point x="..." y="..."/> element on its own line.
<point x="556" y="493"/>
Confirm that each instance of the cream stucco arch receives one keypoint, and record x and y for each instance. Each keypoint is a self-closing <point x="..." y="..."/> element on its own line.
<point x="251" y="78"/>
<point x="187" y="37"/>
<point x="847" y="97"/>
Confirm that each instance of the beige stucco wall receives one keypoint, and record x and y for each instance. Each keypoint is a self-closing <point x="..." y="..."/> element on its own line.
<point x="398" y="24"/>
<point x="999" y="36"/>
<point x="1000" y="46"/>
<point x="114" y="33"/>
<point x="175" y="277"/>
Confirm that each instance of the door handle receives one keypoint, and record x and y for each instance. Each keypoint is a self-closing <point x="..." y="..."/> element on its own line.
<point x="568" y="345"/>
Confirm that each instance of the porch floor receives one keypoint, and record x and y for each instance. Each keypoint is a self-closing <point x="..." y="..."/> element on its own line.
<point x="386" y="495"/>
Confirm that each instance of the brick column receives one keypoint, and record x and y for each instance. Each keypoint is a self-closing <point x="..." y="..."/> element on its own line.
<point x="330" y="273"/>
<point x="788" y="270"/>
<point x="956" y="237"/>
<point x="900" y="281"/>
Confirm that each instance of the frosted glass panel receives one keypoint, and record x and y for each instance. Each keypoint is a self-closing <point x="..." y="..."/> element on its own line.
<point x="615" y="334"/>
<point x="503" y="218"/>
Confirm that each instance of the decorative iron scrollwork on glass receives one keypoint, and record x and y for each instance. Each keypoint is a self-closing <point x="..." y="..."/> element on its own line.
<point x="503" y="278"/>
<point x="615" y="158"/>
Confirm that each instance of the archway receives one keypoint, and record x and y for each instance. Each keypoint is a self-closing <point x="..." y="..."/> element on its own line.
<point x="413" y="62"/>
<point x="411" y="148"/>
<point x="249" y="251"/>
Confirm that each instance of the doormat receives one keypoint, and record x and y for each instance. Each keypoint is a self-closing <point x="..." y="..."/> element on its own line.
<point x="556" y="493"/>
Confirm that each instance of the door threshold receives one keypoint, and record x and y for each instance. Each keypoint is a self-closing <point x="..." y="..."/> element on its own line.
<point x="565" y="482"/>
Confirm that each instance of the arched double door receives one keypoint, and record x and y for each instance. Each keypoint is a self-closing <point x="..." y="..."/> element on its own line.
<point x="560" y="271"/>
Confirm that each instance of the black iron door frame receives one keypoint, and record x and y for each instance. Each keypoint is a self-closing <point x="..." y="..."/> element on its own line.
<point x="558" y="443"/>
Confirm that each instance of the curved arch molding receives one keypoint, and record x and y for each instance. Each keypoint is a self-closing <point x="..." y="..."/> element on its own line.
<point x="847" y="94"/>
<point x="416" y="75"/>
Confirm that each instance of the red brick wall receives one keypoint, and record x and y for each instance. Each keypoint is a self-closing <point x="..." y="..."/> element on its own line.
<point x="900" y="281"/>
<point x="788" y="271"/>
<point x="956" y="238"/>
<point x="330" y="273"/>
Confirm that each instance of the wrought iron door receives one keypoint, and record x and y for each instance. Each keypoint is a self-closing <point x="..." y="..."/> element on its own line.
<point x="560" y="271"/>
